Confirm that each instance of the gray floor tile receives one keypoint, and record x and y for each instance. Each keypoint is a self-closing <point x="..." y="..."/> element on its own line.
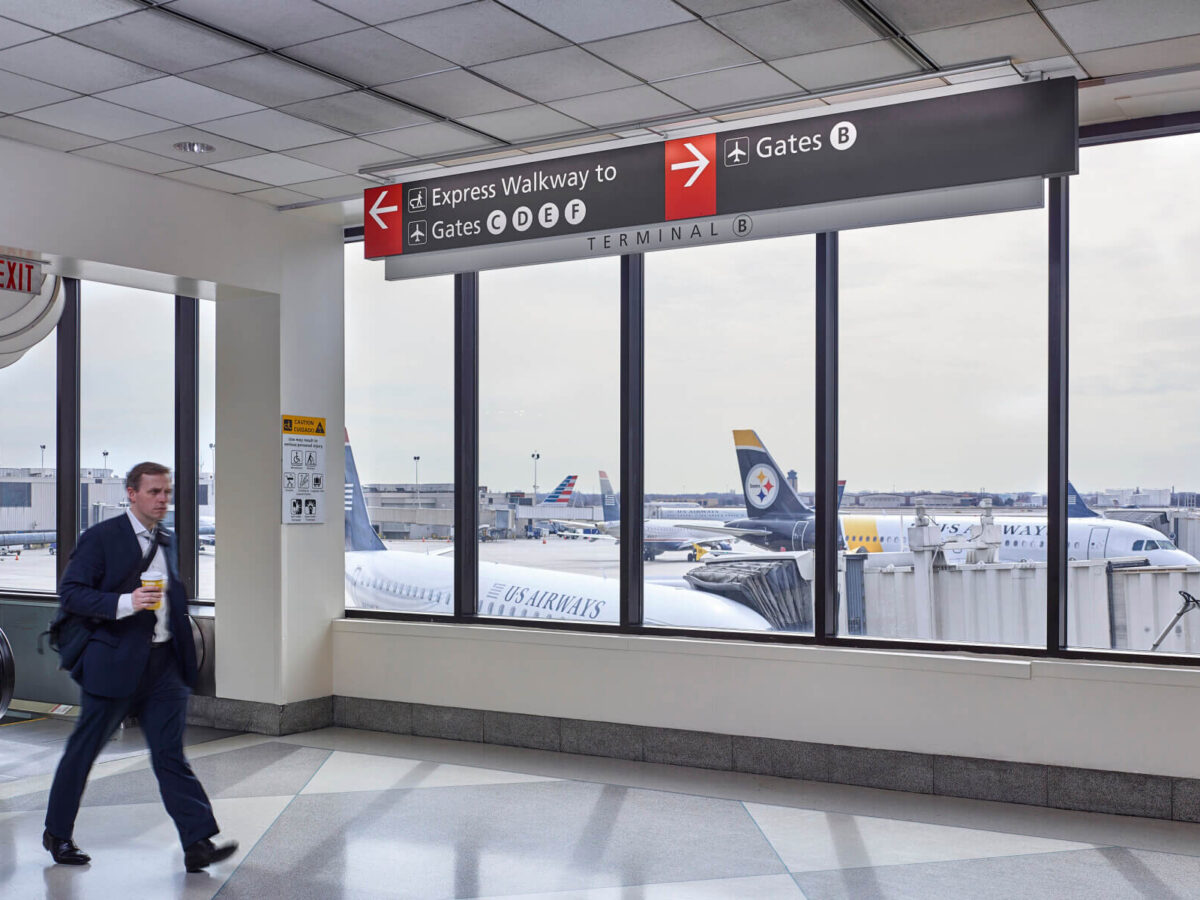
<point x="265" y="770"/>
<point x="1110" y="872"/>
<point x="500" y="839"/>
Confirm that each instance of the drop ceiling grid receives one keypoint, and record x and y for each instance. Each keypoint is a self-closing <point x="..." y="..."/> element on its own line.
<point x="468" y="77"/>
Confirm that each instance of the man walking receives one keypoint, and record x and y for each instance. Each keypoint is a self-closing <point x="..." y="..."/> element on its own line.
<point x="140" y="660"/>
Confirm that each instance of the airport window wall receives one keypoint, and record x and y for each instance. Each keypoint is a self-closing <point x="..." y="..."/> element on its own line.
<point x="1135" y="392"/>
<point x="549" y="448"/>
<point x="942" y="387"/>
<point x="27" y="469"/>
<point x="206" y="484"/>
<point x="400" y="440"/>
<point x="729" y="434"/>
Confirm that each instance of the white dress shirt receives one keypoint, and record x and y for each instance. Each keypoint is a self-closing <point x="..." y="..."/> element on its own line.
<point x="162" y="630"/>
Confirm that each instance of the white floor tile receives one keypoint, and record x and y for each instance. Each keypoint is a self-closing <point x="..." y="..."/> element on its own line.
<point x="344" y="771"/>
<point x="762" y="887"/>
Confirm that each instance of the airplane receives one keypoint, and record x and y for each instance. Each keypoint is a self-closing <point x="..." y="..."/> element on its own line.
<point x="563" y="493"/>
<point x="736" y="153"/>
<point x="377" y="578"/>
<point x="777" y="519"/>
<point x="658" y="535"/>
<point x="21" y="538"/>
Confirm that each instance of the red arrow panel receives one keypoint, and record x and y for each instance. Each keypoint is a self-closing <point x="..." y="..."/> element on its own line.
<point x="688" y="194"/>
<point x="383" y="221"/>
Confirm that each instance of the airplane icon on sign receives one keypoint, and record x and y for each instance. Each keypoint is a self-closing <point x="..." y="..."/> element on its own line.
<point x="737" y="151"/>
<point x="416" y="232"/>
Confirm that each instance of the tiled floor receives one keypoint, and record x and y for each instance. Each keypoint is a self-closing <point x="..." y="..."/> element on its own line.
<point x="354" y="814"/>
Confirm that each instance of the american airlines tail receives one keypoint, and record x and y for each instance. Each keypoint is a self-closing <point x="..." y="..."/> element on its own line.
<point x="1076" y="508"/>
<point x="359" y="533"/>
<point x="767" y="493"/>
<point x="563" y="493"/>
<point x="612" y="509"/>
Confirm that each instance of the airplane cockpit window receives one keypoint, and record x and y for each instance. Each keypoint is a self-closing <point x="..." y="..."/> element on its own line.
<point x="1140" y="545"/>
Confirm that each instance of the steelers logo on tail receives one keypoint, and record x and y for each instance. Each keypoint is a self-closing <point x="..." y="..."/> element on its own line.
<point x="762" y="486"/>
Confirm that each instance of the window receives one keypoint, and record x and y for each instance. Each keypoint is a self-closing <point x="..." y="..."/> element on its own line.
<point x="206" y="486"/>
<point x="399" y="455"/>
<point x="27" y="470"/>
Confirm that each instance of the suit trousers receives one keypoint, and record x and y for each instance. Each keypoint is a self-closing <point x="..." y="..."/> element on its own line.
<point x="160" y="703"/>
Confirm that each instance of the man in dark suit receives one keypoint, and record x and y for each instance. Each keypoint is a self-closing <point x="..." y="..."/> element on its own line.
<point x="140" y="660"/>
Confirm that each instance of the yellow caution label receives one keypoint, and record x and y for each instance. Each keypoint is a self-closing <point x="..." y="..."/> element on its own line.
<point x="303" y="425"/>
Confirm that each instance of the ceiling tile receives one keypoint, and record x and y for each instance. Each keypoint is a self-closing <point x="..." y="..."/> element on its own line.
<point x="618" y="107"/>
<point x="375" y="12"/>
<point x="368" y="57"/>
<point x="922" y="15"/>
<point x="672" y="51"/>
<point x="346" y="156"/>
<point x="60" y="15"/>
<point x="268" y="80"/>
<point x="130" y="158"/>
<point x="557" y="74"/>
<point x="13" y="33"/>
<point x="274" y="168"/>
<point x="524" y="123"/>
<point x="163" y="143"/>
<point x="847" y="65"/>
<point x="455" y="92"/>
<point x="1107" y="23"/>
<point x="1182" y="51"/>
<point x="431" y="140"/>
<point x="587" y="20"/>
<point x="795" y="27"/>
<point x="43" y="135"/>
<point x="716" y="7"/>
<point x="66" y="64"/>
<point x="273" y="130"/>
<point x="271" y="23"/>
<point x="475" y="158"/>
<point x="213" y="180"/>
<point x="475" y="33"/>
<point x="160" y="40"/>
<point x="712" y="90"/>
<point x="1019" y="37"/>
<point x="330" y="188"/>
<point x="277" y="196"/>
<point x="774" y="110"/>
<point x="183" y="101"/>
<point x="18" y="92"/>
<point x="357" y="112"/>
<point x="88" y="115"/>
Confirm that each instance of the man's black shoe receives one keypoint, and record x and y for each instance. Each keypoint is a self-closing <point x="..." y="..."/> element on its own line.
<point x="64" y="851"/>
<point x="205" y="853"/>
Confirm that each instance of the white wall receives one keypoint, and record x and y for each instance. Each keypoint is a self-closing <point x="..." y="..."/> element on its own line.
<point x="278" y="282"/>
<point x="1123" y="718"/>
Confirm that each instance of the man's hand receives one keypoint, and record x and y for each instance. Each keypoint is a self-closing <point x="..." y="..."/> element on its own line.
<point x="147" y="598"/>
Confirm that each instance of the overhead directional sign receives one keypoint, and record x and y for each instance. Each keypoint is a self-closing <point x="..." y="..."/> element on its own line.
<point x="618" y="201"/>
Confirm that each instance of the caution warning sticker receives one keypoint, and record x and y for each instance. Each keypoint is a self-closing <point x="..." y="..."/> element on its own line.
<point x="304" y="425"/>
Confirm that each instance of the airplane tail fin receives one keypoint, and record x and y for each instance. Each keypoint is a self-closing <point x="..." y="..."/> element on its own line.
<point x="612" y="508"/>
<point x="563" y="493"/>
<point x="764" y="488"/>
<point x="359" y="533"/>
<point x="1076" y="508"/>
<point x="841" y="490"/>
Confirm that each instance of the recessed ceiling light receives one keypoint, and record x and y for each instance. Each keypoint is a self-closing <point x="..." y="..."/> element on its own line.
<point x="193" y="147"/>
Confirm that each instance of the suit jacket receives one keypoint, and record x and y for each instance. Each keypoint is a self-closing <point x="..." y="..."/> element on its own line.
<point x="105" y="564"/>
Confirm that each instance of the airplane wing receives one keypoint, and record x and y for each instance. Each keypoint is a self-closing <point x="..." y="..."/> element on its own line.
<point x="723" y="529"/>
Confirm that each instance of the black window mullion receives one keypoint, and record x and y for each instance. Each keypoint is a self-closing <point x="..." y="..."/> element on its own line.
<point x="1056" y="474"/>
<point x="466" y="444"/>
<point x="187" y="437"/>
<point x="633" y="421"/>
<point x="825" y="585"/>
<point x="66" y="447"/>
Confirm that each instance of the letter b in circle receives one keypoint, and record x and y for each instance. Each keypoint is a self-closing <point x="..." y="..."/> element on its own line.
<point x="843" y="135"/>
<point x="741" y="226"/>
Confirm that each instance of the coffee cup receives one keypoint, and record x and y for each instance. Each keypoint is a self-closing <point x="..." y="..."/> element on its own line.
<point x="155" y="580"/>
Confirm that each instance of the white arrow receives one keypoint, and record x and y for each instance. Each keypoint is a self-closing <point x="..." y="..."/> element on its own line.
<point x="700" y="163"/>
<point x="376" y="209"/>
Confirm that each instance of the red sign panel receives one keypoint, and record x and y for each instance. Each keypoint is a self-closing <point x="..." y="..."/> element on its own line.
<point x="383" y="221"/>
<point x="691" y="177"/>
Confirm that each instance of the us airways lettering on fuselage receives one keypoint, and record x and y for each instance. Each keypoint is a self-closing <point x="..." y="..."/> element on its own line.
<point x="1029" y="529"/>
<point x="551" y="601"/>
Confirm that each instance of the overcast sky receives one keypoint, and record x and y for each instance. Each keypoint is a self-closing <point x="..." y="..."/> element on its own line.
<point x="943" y="344"/>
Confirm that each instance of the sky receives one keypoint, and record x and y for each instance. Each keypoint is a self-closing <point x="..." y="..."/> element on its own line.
<point x="942" y="358"/>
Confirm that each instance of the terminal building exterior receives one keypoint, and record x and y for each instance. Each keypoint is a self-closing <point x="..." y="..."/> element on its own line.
<point x="942" y="245"/>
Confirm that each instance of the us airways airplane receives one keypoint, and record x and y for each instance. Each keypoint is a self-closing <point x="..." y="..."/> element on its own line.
<point x="377" y="578"/>
<point x="777" y="519"/>
<point x="659" y="535"/>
